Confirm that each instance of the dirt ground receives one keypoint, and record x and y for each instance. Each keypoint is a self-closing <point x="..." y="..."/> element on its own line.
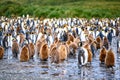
<point x="13" y="69"/>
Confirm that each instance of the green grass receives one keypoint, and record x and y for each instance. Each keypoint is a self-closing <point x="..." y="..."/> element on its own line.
<point x="61" y="8"/>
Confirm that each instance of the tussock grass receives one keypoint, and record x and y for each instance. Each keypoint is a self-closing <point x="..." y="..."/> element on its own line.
<point x="61" y="8"/>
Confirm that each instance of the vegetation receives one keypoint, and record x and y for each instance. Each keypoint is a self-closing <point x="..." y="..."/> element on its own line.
<point x="61" y="8"/>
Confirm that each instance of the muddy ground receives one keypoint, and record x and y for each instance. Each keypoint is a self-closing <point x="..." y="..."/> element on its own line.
<point x="13" y="69"/>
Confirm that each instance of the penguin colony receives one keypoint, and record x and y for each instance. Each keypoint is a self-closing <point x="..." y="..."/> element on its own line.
<point x="57" y="39"/>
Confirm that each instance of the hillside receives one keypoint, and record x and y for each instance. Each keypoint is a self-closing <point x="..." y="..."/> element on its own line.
<point x="61" y="8"/>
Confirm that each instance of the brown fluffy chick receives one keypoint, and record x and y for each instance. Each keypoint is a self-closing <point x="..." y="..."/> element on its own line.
<point x="102" y="56"/>
<point x="110" y="59"/>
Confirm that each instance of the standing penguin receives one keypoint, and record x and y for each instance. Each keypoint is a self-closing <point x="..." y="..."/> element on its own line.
<point x="92" y="44"/>
<point x="73" y="47"/>
<point x="93" y="48"/>
<point x="63" y="52"/>
<point x="82" y="56"/>
<point x="5" y="41"/>
<point x="101" y="35"/>
<point x="27" y="36"/>
<point x="98" y="42"/>
<point x="15" y="48"/>
<point x="87" y="46"/>
<point x="31" y="49"/>
<point x="1" y="52"/>
<point x="1" y="34"/>
<point x="55" y="55"/>
<point x="109" y="36"/>
<point x="77" y="30"/>
<point x="64" y="37"/>
<point x="44" y="52"/>
<point x="118" y="44"/>
<point x="24" y="55"/>
<point x="102" y="56"/>
<point x="21" y="39"/>
<point x="105" y="42"/>
<point x="117" y="31"/>
<point x="110" y="59"/>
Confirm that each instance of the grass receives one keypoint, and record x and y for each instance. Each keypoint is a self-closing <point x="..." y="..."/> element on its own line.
<point x="61" y="8"/>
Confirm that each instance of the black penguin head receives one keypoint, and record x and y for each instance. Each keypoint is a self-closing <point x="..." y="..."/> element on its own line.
<point x="80" y="44"/>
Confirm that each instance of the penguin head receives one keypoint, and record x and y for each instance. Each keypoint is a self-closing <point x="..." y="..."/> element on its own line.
<point x="25" y="42"/>
<point x="80" y="44"/>
<point x="14" y="39"/>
